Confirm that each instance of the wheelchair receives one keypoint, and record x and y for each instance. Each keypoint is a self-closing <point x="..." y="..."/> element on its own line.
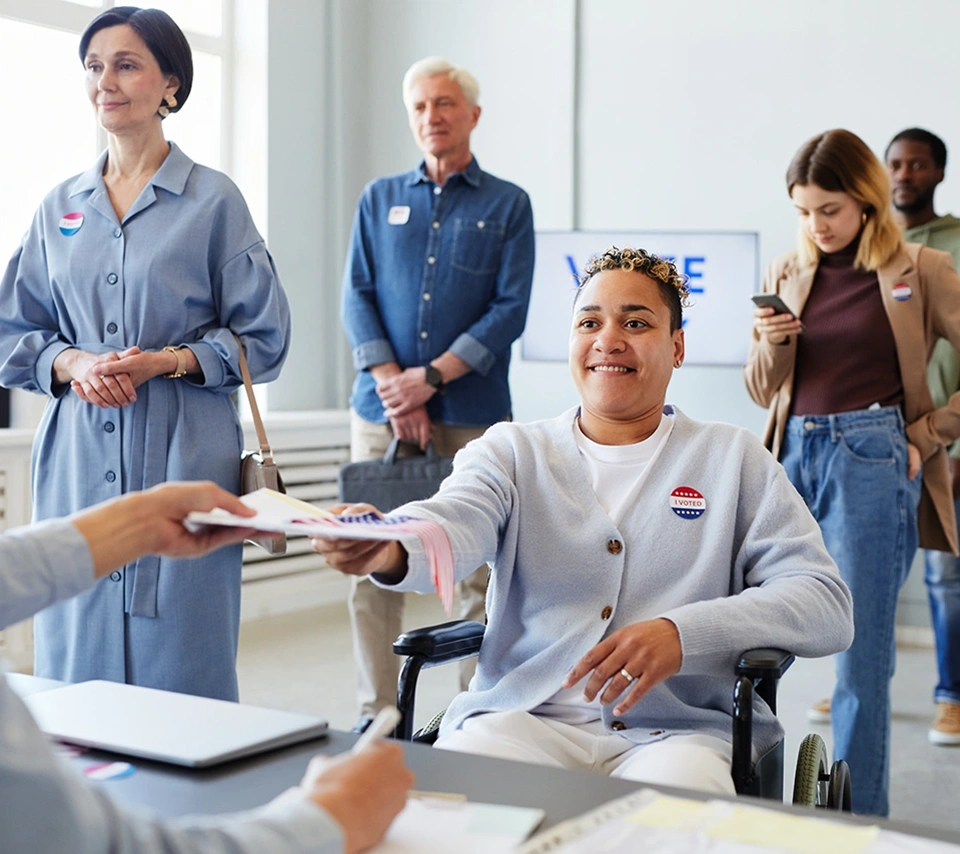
<point x="816" y="784"/>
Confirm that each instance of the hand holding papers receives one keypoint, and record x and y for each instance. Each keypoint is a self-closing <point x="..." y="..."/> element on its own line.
<point x="278" y="512"/>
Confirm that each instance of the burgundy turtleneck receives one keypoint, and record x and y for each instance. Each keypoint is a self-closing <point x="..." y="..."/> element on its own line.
<point x="847" y="355"/>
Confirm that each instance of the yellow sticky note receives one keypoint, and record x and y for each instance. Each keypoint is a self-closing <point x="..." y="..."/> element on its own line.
<point x="791" y="833"/>
<point x="670" y="813"/>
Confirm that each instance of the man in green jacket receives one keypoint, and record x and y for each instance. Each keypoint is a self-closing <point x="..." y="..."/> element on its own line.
<point x="916" y="160"/>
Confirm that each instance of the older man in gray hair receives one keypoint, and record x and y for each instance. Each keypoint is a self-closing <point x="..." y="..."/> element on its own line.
<point x="435" y="292"/>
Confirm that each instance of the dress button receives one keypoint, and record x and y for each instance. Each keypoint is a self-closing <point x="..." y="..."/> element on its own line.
<point x="423" y="334"/>
<point x="112" y="278"/>
<point x="111" y="477"/>
<point x="111" y="328"/>
<point x="614" y="547"/>
<point x="427" y="297"/>
<point x="437" y="191"/>
<point x="118" y="232"/>
<point x="109" y="427"/>
<point x="606" y="613"/>
<point x="436" y="225"/>
<point x="480" y="224"/>
<point x="619" y="726"/>
<point x="431" y="260"/>
<point x="115" y="576"/>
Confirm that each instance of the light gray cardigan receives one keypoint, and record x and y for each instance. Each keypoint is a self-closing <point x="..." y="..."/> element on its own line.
<point x="750" y="571"/>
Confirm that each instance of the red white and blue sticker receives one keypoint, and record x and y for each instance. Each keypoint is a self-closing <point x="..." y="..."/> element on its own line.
<point x="109" y="771"/>
<point x="70" y="223"/>
<point x="901" y="291"/>
<point x="687" y="503"/>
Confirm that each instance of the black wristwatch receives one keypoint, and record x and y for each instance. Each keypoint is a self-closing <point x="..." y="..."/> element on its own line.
<point x="435" y="378"/>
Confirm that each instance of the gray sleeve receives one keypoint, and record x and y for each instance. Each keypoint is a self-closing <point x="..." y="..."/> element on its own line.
<point x="45" y="807"/>
<point x="39" y="565"/>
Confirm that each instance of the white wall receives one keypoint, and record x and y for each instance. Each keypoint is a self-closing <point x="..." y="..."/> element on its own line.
<point x="689" y="112"/>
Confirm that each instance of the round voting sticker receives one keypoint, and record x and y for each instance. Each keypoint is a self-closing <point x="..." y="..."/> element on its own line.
<point x="70" y="223"/>
<point x="687" y="503"/>
<point x="109" y="771"/>
<point x="901" y="291"/>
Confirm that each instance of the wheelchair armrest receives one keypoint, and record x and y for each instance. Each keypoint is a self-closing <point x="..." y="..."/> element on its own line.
<point x="446" y="642"/>
<point x="764" y="663"/>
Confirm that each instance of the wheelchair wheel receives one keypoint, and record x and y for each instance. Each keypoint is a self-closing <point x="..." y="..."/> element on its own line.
<point x="810" y="781"/>
<point x="838" y="789"/>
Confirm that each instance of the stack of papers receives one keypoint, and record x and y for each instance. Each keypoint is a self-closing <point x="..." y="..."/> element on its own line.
<point x="281" y="513"/>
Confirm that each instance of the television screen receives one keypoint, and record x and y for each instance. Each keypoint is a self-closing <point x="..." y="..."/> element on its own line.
<point x="721" y="268"/>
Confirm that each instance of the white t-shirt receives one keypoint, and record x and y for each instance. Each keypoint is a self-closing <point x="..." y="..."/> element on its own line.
<point x="616" y="473"/>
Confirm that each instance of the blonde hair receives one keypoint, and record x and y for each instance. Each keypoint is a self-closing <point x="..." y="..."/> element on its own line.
<point x="672" y="283"/>
<point x="838" y="161"/>
<point x="432" y="65"/>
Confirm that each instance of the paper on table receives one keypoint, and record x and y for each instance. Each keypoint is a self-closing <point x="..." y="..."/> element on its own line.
<point x="430" y="826"/>
<point x="279" y="512"/>
<point x="793" y="833"/>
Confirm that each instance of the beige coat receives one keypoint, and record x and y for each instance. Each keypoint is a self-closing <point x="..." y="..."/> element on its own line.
<point x="931" y="312"/>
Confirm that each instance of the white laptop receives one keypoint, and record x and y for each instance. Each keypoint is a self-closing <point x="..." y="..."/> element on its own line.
<point x="161" y="725"/>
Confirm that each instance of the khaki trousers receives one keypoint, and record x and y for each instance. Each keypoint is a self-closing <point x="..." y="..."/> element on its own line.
<point x="376" y="614"/>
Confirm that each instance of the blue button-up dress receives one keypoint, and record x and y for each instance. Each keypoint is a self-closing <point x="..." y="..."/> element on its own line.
<point x="187" y="267"/>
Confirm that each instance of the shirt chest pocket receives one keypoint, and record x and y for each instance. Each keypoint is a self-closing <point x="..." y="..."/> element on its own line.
<point x="477" y="244"/>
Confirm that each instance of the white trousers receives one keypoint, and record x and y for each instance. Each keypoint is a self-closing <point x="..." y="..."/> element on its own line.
<point x="687" y="761"/>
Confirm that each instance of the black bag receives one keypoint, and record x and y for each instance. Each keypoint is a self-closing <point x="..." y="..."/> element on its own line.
<point x="390" y="482"/>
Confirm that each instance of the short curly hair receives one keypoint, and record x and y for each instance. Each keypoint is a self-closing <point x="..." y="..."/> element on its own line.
<point x="672" y="283"/>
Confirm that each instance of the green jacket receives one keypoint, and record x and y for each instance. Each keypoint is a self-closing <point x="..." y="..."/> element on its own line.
<point x="943" y="371"/>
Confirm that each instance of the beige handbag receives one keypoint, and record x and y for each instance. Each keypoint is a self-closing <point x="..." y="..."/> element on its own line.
<point x="257" y="468"/>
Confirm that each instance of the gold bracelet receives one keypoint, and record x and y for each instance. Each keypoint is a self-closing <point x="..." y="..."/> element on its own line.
<point x="181" y="369"/>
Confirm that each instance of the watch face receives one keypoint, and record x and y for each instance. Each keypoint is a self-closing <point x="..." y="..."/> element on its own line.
<point x="434" y="377"/>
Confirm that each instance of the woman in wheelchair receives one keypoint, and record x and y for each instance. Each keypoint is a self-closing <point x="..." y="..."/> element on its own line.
<point x="634" y="554"/>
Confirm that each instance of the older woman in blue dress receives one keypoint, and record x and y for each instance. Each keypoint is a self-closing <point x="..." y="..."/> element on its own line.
<point x="121" y="305"/>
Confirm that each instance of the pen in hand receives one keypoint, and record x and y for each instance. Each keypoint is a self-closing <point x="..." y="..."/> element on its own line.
<point x="383" y="724"/>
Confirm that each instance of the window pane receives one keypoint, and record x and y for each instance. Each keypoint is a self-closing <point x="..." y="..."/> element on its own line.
<point x="201" y="16"/>
<point x="54" y="132"/>
<point x="196" y="128"/>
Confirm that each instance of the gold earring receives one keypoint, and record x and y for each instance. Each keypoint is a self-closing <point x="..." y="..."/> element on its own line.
<point x="166" y="105"/>
<point x="863" y="218"/>
<point x="677" y="364"/>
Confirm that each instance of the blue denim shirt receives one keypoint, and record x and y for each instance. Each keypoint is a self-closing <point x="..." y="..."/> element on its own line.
<point x="432" y="269"/>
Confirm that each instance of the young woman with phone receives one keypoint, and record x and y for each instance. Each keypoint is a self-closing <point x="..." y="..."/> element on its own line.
<point x="851" y="418"/>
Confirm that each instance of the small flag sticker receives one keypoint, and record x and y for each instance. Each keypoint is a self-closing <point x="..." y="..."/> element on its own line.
<point x="70" y="223"/>
<point x="901" y="291"/>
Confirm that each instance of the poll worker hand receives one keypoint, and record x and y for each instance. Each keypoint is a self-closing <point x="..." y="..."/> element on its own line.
<point x="404" y="392"/>
<point x="649" y="651"/>
<point x="363" y="792"/>
<point x="77" y="367"/>
<point x="914" y="461"/>
<point x="362" y="557"/>
<point x="151" y="522"/>
<point x="414" y="427"/>
<point x="142" y="366"/>
<point x="776" y="328"/>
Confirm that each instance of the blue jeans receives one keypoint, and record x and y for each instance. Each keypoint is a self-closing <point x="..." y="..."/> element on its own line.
<point x="943" y="588"/>
<point x="851" y="470"/>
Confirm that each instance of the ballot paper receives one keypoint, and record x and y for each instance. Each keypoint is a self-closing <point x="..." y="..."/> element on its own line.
<point x="279" y="512"/>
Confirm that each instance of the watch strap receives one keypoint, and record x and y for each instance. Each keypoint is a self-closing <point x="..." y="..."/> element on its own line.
<point x="181" y="369"/>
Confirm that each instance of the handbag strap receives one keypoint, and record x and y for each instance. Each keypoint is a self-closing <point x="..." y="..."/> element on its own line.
<point x="265" y="451"/>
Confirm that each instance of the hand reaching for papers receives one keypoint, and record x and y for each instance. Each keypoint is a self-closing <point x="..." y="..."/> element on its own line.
<point x="362" y="557"/>
<point x="151" y="522"/>
<point x="363" y="792"/>
<point x="648" y="652"/>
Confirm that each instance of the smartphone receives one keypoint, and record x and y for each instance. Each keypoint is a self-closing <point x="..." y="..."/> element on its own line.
<point x="775" y="302"/>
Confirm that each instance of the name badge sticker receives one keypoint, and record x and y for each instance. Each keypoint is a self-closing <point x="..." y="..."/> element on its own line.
<point x="687" y="503"/>
<point x="901" y="291"/>
<point x="70" y="223"/>
<point x="399" y="215"/>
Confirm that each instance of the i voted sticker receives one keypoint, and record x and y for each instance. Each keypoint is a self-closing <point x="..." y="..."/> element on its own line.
<point x="687" y="503"/>
<point x="70" y="223"/>
<point x="901" y="291"/>
<point x="399" y="215"/>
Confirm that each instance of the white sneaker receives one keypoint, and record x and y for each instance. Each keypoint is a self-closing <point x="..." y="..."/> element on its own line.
<point x="946" y="725"/>
<point x="819" y="713"/>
